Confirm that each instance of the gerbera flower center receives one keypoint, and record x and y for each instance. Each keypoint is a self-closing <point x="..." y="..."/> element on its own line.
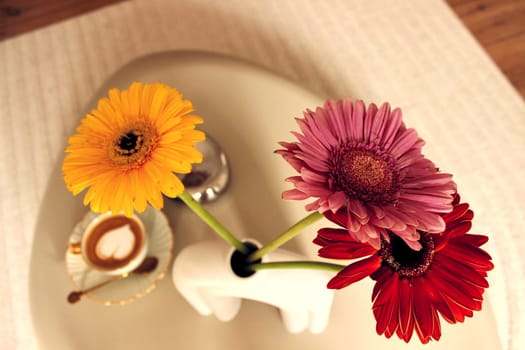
<point x="403" y="259"/>
<point x="365" y="175"/>
<point x="131" y="142"/>
<point x="133" y="146"/>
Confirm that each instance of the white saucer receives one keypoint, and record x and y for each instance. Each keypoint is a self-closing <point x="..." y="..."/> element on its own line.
<point x="124" y="291"/>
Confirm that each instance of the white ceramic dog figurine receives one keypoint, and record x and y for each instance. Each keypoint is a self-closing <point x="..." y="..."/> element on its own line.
<point x="202" y="274"/>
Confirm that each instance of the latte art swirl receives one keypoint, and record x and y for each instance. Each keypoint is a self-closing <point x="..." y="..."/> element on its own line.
<point x="113" y="242"/>
<point x="116" y="244"/>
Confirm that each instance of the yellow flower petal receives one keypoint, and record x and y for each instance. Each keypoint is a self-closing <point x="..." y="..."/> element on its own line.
<point x="126" y="151"/>
<point x="139" y="196"/>
<point x="158" y="103"/>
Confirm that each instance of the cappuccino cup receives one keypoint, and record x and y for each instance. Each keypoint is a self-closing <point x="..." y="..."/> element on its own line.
<point x="113" y="244"/>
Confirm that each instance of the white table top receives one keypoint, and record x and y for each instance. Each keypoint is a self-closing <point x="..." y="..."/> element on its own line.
<point x="416" y="55"/>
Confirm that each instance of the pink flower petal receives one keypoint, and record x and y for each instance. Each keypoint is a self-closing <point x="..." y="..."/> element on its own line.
<point x="311" y="176"/>
<point x="357" y="208"/>
<point x="294" y="194"/>
<point x="314" y="206"/>
<point x="357" y="121"/>
<point x="392" y="128"/>
<point x="405" y="141"/>
<point x="336" y="201"/>
<point x="353" y="224"/>
<point x="343" y="144"/>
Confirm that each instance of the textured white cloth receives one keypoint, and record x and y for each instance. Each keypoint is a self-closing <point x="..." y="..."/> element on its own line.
<point x="414" y="54"/>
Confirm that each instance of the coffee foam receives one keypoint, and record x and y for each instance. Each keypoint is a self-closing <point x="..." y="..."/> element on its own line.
<point x="113" y="242"/>
<point x="116" y="244"/>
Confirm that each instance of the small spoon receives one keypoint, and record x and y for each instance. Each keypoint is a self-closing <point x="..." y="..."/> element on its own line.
<point x="149" y="264"/>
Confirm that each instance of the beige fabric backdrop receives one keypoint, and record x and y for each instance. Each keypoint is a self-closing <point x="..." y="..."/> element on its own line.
<point x="415" y="54"/>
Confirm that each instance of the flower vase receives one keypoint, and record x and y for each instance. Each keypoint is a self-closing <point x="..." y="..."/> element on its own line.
<point x="214" y="278"/>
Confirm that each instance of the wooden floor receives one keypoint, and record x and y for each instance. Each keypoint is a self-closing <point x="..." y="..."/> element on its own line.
<point x="498" y="25"/>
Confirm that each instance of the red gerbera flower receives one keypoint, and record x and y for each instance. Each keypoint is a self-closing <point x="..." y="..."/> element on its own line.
<point x="367" y="162"/>
<point x="446" y="277"/>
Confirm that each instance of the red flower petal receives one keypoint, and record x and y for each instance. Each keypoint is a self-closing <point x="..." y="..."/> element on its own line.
<point x="450" y="274"/>
<point x="461" y="251"/>
<point x="345" y="251"/>
<point x="422" y="309"/>
<point x="458" y="229"/>
<point x="451" y="293"/>
<point x="335" y="235"/>
<point x="436" y="325"/>
<point x="456" y="213"/>
<point x="477" y="240"/>
<point x="466" y="272"/>
<point x="382" y="277"/>
<point x="404" y="298"/>
<point x="460" y="311"/>
<point x="355" y="272"/>
<point x="338" y="217"/>
<point x="385" y="307"/>
<point x="435" y="299"/>
<point x="405" y="305"/>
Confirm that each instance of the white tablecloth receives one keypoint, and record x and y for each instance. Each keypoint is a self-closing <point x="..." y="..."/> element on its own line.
<point x="415" y="54"/>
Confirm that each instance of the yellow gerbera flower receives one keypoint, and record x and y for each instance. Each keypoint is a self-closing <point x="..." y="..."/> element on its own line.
<point x="127" y="150"/>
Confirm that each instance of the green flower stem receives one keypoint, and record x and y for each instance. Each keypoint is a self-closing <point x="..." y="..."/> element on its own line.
<point x="315" y="265"/>
<point x="285" y="236"/>
<point x="212" y="222"/>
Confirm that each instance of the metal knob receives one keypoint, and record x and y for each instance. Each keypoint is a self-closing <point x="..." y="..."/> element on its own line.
<point x="210" y="178"/>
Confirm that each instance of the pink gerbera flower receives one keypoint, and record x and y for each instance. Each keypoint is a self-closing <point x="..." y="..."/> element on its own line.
<point x="367" y="162"/>
<point x="446" y="277"/>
